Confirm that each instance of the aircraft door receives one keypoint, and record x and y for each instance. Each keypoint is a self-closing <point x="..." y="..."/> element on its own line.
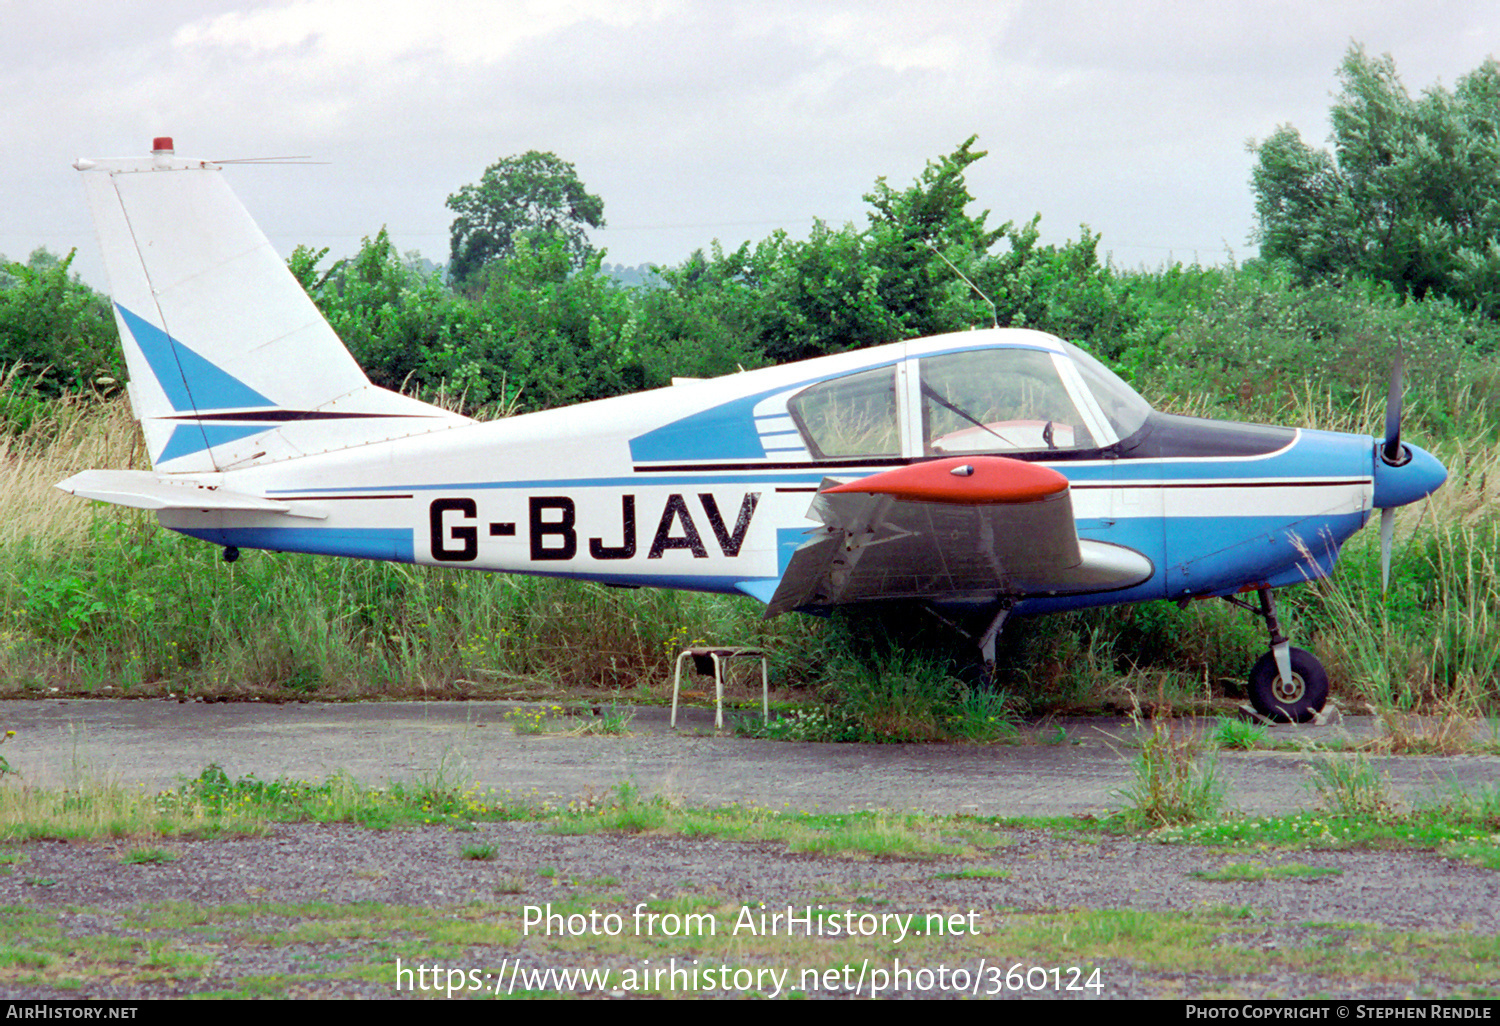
<point x="1135" y="514"/>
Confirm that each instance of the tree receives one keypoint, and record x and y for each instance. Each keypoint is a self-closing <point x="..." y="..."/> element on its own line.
<point x="787" y="299"/>
<point x="54" y="328"/>
<point x="1410" y="194"/>
<point x="406" y="329"/>
<point x="919" y="235"/>
<point x="563" y="333"/>
<point x="907" y="229"/>
<point x="534" y="193"/>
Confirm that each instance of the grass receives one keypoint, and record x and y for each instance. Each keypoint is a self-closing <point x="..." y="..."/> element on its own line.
<point x="611" y="719"/>
<point x="1455" y="827"/>
<point x="1348" y="786"/>
<point x="1358" y="812"/>
<point x="977" y="873"/>
<point x="886" y="683"/>
<point x="1426" y="654"/>
<point x="801" y="725"/>
<point x="69" y="435"/>
<point x="857" y="835"/>
<point x="355" y="945"/>
<point x="1238" y="734"/>
<point x="212" y="805"/>
<point x="105" y="809"/>
<point x="1176" y="781"/>
<point x="309" y="948"/>
<point x="1257" y="869"/>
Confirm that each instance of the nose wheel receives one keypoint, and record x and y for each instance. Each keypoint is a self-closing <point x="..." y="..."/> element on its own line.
<point x="1296" y="700"/>
<point x="1288" y="685"/>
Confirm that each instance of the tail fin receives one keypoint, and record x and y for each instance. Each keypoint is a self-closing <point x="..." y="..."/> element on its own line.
<point x="231" y="365"/>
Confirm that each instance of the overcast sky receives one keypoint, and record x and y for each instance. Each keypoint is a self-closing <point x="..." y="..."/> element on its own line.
<point x="698" y="120"/>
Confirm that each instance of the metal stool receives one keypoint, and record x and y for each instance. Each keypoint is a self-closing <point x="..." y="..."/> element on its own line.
<point x="714" y="660"/>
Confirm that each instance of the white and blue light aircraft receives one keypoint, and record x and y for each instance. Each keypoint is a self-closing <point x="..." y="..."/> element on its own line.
<point x="988" y="472"/>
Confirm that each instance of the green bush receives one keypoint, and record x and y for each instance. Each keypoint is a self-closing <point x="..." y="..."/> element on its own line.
<point x="59" y="331"/>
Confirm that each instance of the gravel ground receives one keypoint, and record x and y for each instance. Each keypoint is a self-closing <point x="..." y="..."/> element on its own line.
<point x="94" y="894"/>
<point x="242" y="890"/>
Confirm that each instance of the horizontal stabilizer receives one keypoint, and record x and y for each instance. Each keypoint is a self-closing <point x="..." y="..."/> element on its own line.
<point x="142" y="489"/>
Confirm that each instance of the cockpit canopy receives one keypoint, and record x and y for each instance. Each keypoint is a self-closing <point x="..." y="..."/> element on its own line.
<point x="981" y="399"/>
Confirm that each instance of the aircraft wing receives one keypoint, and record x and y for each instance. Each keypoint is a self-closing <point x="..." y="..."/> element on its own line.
<point x="960" y="529"/>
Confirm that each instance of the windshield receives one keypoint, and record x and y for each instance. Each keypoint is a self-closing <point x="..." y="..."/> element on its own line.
<point x="988" y="400"/>
<point x="1125" y="410"/>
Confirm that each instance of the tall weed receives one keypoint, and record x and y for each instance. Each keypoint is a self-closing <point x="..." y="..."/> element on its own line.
<point x="54" y="440"/>
<point x="1176" y="779"/>
<point x="1432" y="642"/>
<point x="1347" y="785"/>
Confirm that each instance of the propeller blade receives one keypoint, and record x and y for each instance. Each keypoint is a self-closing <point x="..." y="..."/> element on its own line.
<point x="1387" y="532"/>
<point x="1391" y="451"/>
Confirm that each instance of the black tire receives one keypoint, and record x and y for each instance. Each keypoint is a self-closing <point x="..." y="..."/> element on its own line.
<point x="1296" y="704"/>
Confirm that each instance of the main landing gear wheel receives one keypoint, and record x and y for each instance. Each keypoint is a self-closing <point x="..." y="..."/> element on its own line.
<point x="1296" y="701"/>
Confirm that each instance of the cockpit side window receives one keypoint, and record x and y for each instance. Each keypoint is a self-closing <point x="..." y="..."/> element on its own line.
<point x="998" y="400"/>
<point x="850" y="416"/>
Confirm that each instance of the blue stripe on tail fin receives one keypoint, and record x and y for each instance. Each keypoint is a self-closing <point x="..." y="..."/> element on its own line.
<point x="191" y="383"/>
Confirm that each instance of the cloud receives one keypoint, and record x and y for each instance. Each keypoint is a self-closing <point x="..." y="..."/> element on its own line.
<point x="705" y="113"/>
<point x="363" y="33"/>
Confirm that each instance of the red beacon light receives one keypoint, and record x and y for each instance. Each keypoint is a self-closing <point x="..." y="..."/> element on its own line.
<point x="162" y="144"/>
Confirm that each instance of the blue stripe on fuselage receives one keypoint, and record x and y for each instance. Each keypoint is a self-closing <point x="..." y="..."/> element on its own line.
<point x="1192" y="554"/>
<point x="387" y="543"/>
